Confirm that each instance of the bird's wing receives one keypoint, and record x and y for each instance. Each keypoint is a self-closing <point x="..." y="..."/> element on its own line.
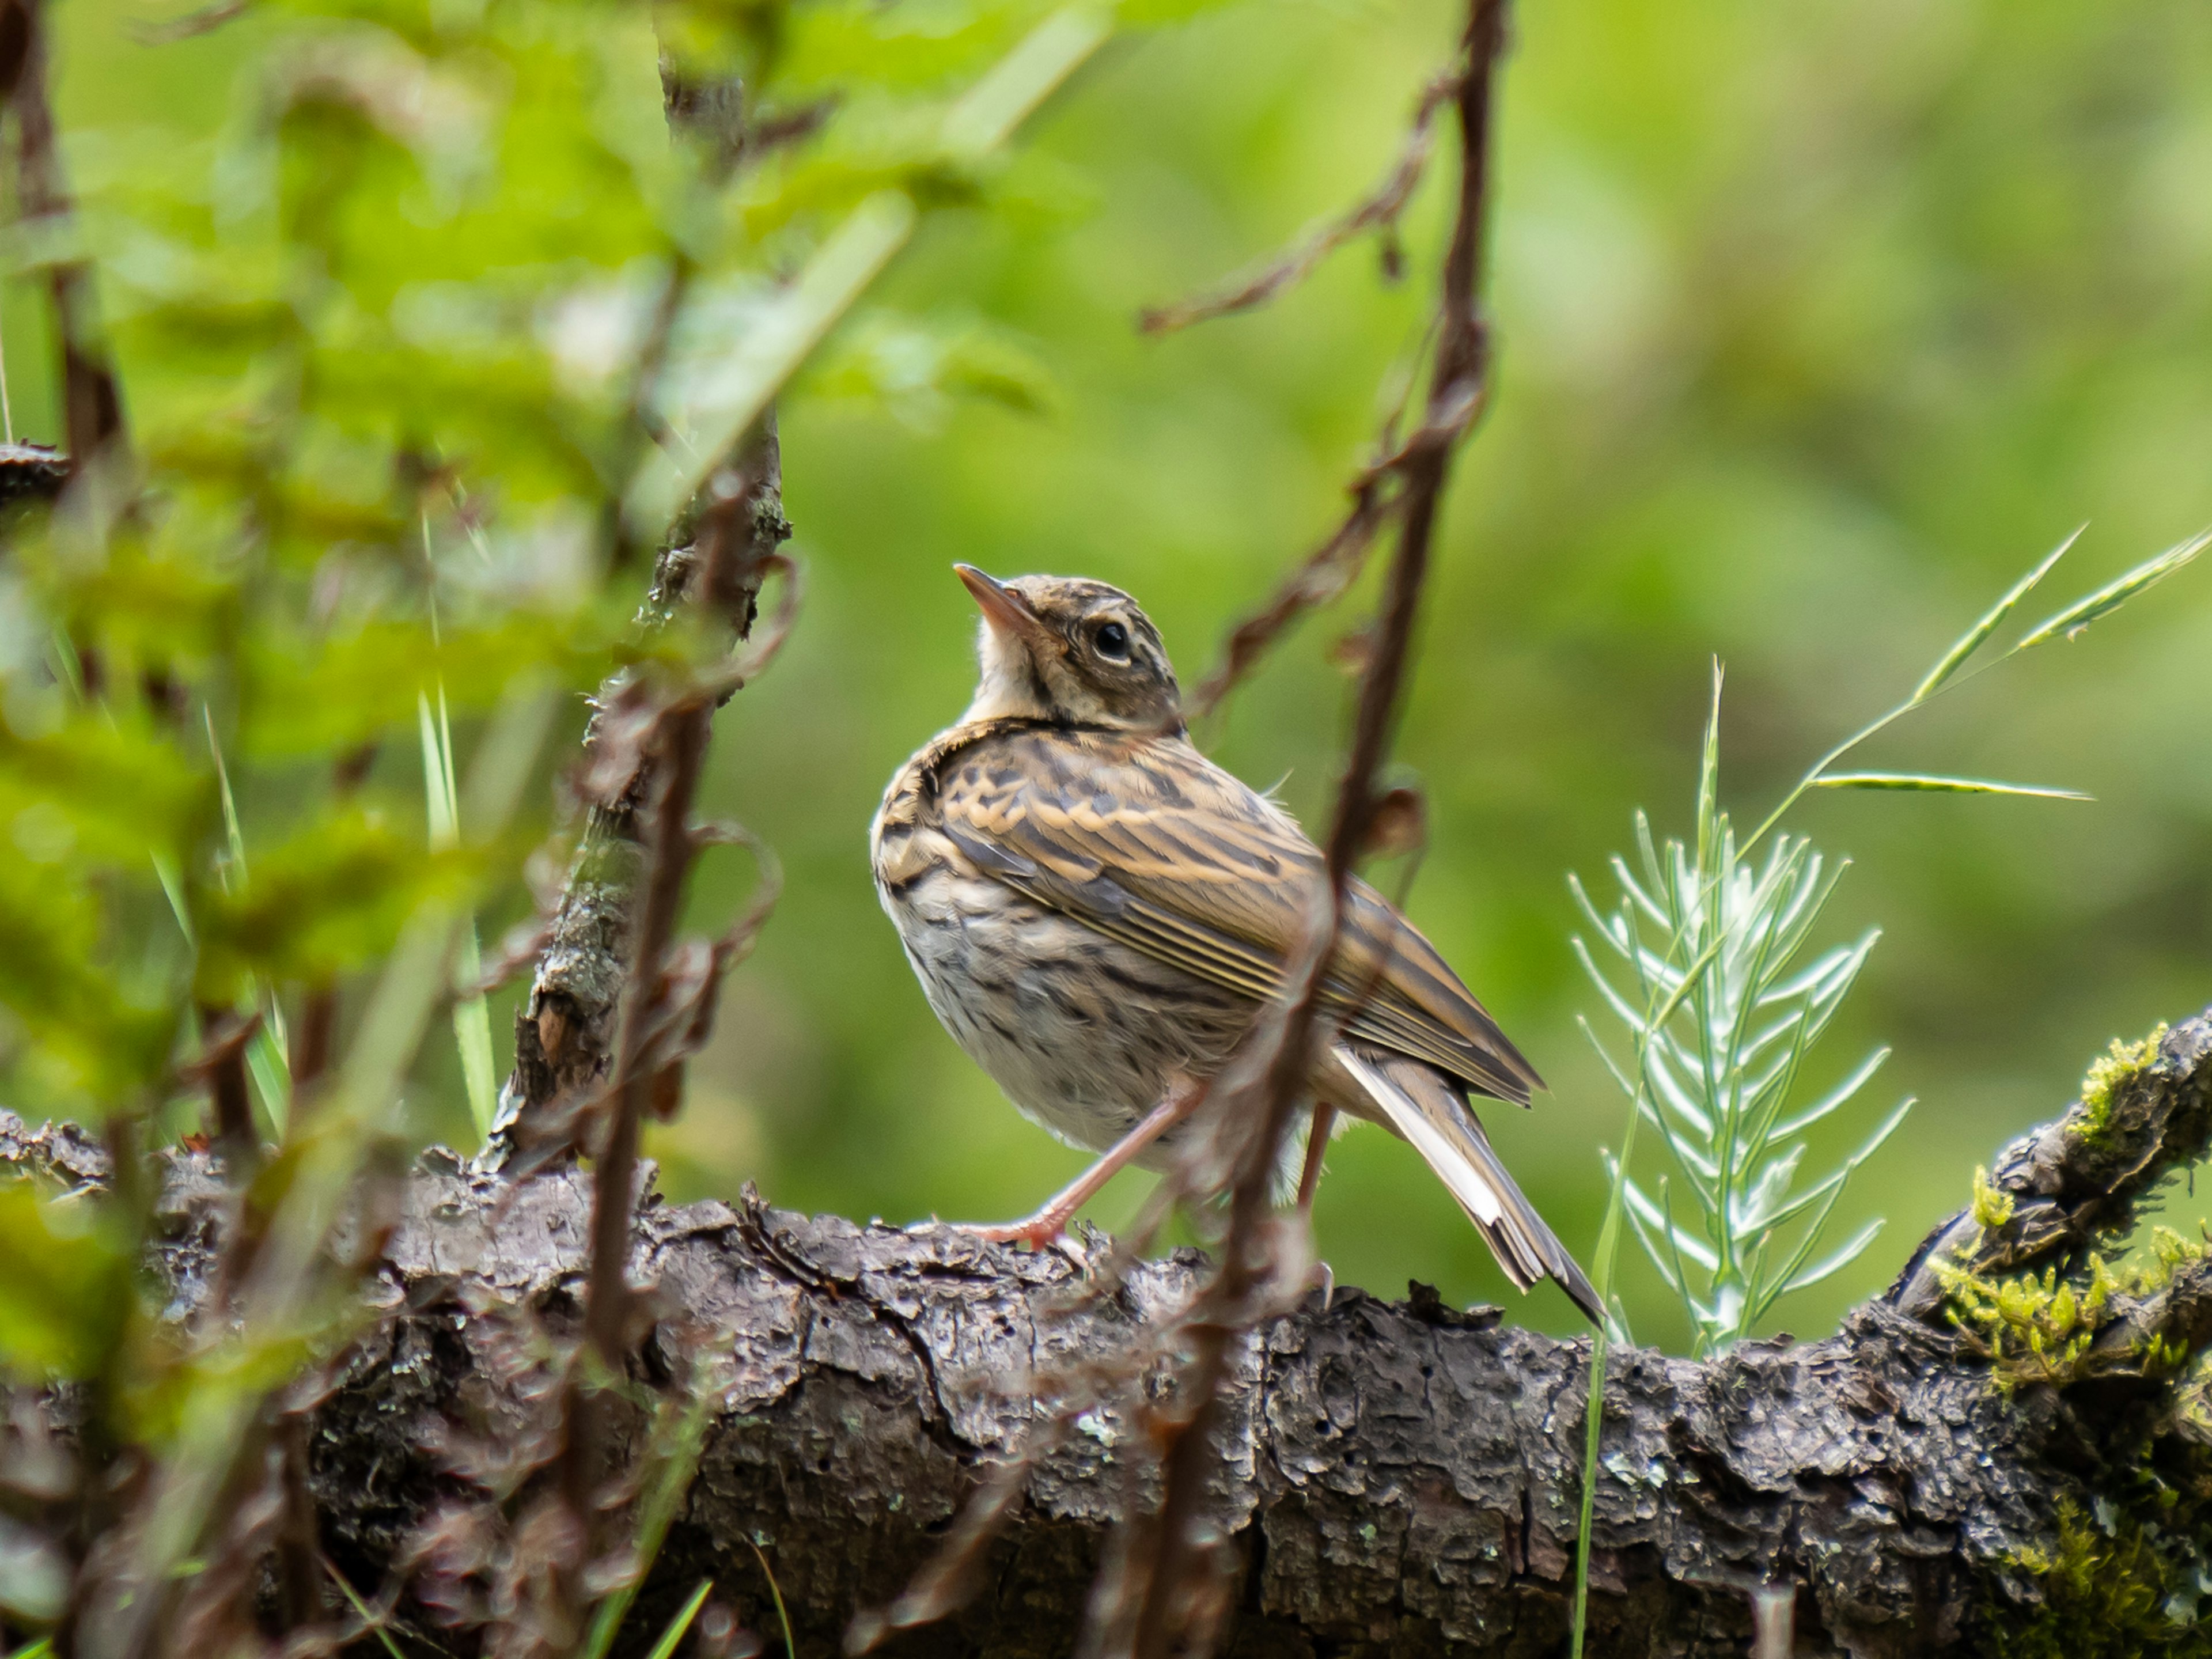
<point x="1151" y="844"/>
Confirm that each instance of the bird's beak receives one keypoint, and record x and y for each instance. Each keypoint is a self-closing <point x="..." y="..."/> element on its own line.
<point x="1007" y="611"/>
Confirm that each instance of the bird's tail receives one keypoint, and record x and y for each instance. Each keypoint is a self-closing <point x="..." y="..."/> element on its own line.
<point x="1417" y="1102"/>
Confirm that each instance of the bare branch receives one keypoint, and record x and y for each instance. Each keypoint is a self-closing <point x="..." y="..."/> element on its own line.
<point x="1379" y="211"/>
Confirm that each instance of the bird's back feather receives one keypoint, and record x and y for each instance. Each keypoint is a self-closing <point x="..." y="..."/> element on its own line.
<point x="1143" y="838"/>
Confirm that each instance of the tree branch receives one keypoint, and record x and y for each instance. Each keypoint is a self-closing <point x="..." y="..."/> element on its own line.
<point x="564" y="1034"/>
<point x="1398" y="1477"/>
<point x="2086" y="1176"/>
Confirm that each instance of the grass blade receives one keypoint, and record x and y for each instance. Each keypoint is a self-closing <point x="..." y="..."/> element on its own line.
<point x="2075" y="617"/>
<point x="1975" y="637"/>
<point x="775" y="1594"/>
<point x="369" y="1621"/>
<point x="666" y="1647"/>
<point x="1939" y="785"/>
<point x="472" y="1015"/>
<point x="266" y="1063"/>
<point x="172" y="886"/>
<point x="677" y="1443"/>
<point x="234" y="835"/>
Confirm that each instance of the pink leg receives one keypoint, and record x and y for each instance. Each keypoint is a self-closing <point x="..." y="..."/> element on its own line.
<point x="1050" y="1223"/>
<point x="1324" y="1119"/>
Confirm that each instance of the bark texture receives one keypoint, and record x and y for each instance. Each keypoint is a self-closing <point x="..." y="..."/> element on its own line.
<point x="564" y="1031"/>
<point x="1400" y="1478"/>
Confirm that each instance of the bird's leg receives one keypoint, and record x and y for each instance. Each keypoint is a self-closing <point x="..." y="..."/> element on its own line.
<point x="1324" y="1119"/>
<point x="1050" y="1223"/>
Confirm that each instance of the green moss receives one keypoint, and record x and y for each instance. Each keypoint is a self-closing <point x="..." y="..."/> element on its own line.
<point x="2109" y="1591"/>
<point x="2038" y="1328"/>
<point x="1993" y="1207"/>
<point x="2115" y="1066"/>
<point x="2033" y="1329"/>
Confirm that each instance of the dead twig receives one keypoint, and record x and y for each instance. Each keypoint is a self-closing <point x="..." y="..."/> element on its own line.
<point x="1180" y="1584"/>
<point x="203" y="20"/>
<point x="666" y="1006"/>
<point x="1166" y="1587"/>
<point x="1379" y="211"/>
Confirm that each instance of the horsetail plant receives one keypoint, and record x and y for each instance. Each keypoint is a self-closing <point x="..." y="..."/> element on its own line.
<point x="1701" y="944"/>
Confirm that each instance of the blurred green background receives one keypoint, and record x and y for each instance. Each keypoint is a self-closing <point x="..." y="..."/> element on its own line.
<point x="1818" y="324"/>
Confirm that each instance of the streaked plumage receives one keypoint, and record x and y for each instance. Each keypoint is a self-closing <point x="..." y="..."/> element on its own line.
<point x="1096" y="912"/>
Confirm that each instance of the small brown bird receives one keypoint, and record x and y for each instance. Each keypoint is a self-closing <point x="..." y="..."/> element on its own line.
<point x="1098" y="912"/>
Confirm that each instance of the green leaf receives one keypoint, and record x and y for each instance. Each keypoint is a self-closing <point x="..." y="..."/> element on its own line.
<point x="1929" y="782"/>
<point x="916" y="367"/>
<point x="323" y="902"/>
<point x="2071" y="620"/>
<point x="723" y="402"/>
<point x="67" y="1293"/>
<point x="1973" y="639"/>
<point x="724" y="399"/>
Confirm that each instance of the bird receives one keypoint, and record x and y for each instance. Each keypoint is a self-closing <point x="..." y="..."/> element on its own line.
<point x="1096" y="913"/>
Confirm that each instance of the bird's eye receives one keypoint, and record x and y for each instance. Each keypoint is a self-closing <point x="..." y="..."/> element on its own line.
<point x="1112" y="640"/>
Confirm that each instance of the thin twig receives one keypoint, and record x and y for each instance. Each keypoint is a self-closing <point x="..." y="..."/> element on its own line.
<point x="206" y="20"/>
<point x="1379" y="211"/>
<point x="1174" y="1596"/>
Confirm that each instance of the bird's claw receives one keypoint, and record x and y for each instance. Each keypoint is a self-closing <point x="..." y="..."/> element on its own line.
<point x="1040" y="1233"/>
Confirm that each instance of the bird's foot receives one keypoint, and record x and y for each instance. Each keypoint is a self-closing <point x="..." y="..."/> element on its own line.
<point x="1323" y="1278"/>
<point x="1043" y="1232"/>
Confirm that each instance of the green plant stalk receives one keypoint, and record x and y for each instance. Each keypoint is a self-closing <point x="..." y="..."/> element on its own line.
<point x="1608" y="1246"/>
<point x="1941" y="677"/>
<point x="369" y="1621"/>
<point x="1945" y="676"/>
<point x="1608" y="1238"/>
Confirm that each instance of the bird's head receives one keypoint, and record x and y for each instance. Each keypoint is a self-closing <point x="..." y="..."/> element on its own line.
<point x="1062" y="648"/>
